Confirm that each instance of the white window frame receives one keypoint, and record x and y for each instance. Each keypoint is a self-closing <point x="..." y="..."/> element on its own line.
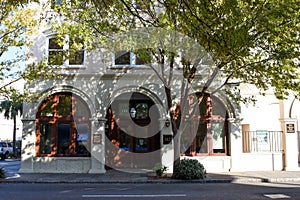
<point x="66" y="47"/>
<point x="132" y="61"/>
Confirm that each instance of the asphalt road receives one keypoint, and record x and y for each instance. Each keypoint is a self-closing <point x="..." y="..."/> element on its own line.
<point x="222" y="191"/>
<point x="11" y="167"/>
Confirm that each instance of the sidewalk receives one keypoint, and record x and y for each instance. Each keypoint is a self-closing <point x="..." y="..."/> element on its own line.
<point x="113" y="176"/>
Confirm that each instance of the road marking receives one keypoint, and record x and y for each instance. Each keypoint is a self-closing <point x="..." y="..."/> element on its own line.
<point x="277" y="196"/>
<point x="131" y="195"/>
<point x="14" y="176"/>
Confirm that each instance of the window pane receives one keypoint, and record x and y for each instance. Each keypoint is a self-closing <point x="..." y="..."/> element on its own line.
<point x="76" y="57"/>
<point x="203" y="107"/>
<point x="65" y="105"/>
<point x="53" y="44"/>
<point x="125" y="141"/>
<point x="82" y="138"/>
<point x="122" y="58"/>
<point x="55" y="58"/>
<point x="201" y="138"/>
<point x="187" y="144"/>
<point x="143" y="57"/>
<point x="141" y="144"/>
<point x="218" y="108"/>
<point x="47" y="111"/>
<point x="63" y="138"/>
<point x="218" y="137"/>
<point x="81" y="109"/>
<point x="45" y="138"/>
<point x="55" y="55"/>
<point x="141" y="111"/>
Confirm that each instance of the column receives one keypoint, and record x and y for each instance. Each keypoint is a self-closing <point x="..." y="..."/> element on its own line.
<point x="290" y="144"/>
<point x="28" y="145"/>
<point x="235" y="144"/>
<point x="97" y="146"/>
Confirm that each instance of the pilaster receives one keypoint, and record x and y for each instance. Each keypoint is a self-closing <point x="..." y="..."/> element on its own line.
<point x="290" y="144"/>
<point x="97" y="146"/>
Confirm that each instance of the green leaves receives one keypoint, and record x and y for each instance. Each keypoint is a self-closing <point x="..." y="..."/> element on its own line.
<point x="251" y="41"/>
<point x="17" y="20"/>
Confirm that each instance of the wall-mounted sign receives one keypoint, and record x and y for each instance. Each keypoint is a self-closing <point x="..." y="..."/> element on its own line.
<point x="97" y="139"/>
<point x="262" y="139"/>
<point x="290" y="128"/>
<point x="167" y="139"/>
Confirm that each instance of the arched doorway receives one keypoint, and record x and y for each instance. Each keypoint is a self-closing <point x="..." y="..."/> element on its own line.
<point x="132" y="132"/>
<point x="207" y="133"/>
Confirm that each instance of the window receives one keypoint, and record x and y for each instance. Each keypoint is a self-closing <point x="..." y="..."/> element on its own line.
<point x="55" y="55"/>
<point x="127" y="58"/>
<point x="63" y="127"/>
<point x="211" y="137"/>
<point x="69" y="54"/>
<point x="76" y="52"/>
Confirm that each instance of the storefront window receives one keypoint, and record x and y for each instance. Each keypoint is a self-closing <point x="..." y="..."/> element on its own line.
<point x="82" y="138"/>
<point x="212" y="131"/>
<point x="45" y="138"/>
<point x="64" y="127"/>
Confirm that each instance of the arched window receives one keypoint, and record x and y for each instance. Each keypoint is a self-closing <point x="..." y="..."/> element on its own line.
<point x="211" y="126"/>
<point x="63" y="126"/>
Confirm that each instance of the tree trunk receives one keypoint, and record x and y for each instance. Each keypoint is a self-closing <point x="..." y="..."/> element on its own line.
<point x="176" y="139"/>
<point x="176" y="162"/>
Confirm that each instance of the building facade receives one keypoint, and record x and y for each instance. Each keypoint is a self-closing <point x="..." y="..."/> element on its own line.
<point x="108" y="110"/>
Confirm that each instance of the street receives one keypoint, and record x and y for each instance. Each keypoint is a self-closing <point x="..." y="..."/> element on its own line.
<point x="11" y="167"/>
<point x="113" y="191"/>
<point x="150" y="191"/>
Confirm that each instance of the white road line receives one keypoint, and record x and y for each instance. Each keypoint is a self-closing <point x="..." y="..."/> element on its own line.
<point x="131" y="195"/>
<point x="277" y="196"/>
<point x="14" y="176"/>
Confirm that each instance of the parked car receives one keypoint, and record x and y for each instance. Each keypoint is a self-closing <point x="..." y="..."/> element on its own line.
<point x="5" y="149"/>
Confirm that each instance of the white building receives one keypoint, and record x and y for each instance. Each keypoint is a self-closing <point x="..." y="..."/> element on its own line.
<point x="108" y="111"/>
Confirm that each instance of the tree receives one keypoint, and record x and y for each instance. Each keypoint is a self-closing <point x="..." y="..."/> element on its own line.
<point x="18" y="20"/>
<point x="251" y="41"/>
<point x="11" y="111"/>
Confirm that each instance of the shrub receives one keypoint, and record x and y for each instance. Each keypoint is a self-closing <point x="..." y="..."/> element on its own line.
<point x="2" y="173"/>
<point x="160" y="169"/>
<point x="190" y="169"/>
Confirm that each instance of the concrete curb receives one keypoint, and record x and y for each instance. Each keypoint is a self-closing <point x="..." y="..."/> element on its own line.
<point x="148" y="181"/>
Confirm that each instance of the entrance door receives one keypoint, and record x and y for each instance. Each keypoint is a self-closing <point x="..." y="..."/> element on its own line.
<point x="132" y="132"/>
